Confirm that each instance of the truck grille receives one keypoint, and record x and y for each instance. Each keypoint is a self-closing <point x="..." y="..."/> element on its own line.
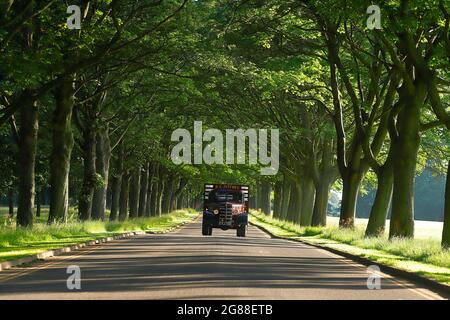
<point x="225" y="215"/>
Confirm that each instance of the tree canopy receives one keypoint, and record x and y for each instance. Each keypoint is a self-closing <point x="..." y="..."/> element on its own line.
<point x="360" y="99"/>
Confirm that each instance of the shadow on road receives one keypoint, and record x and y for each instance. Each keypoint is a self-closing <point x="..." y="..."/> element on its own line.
<point x="184" y="260"/>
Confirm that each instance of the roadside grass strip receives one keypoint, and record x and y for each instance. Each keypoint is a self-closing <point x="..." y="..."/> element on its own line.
<point x="17" y="243"/>
<point x="424" y="257"/>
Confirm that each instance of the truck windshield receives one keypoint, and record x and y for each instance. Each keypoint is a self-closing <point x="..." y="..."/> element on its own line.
<point x="225" y="195"/>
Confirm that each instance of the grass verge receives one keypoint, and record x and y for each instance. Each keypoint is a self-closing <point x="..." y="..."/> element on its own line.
<point x="423" y="257"/>
<point x="16" y="243"/>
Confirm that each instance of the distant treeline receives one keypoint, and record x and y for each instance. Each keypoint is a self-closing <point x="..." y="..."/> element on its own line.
<point x="428" y="201"/>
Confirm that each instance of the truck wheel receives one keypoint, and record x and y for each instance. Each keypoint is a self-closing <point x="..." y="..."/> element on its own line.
<point x="206" y="230"/>
<point x="241" y="230"/>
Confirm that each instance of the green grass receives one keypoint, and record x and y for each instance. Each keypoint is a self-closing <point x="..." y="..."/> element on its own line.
<point x="423" y="256"/>
<point x="16" y="242"/>
<point x="423" y="229"/>
<point x="5" y="220"/>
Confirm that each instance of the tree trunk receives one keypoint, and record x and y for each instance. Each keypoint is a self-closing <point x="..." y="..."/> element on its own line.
<point x="319" y="217"/>
<point x="154" y="198"/>
<point x="187" y="201"/>
<point x="192" y="202"/>
<point x="117" y="183"/>
<point x="350" y="173"/>
<point x="266" y="190"/>
<point x="256" y="204"/>
<point x="277" y="200"/>
<point x="307" y="204"/>
<point x="177" y="202"/>
<point x="115" y="196"/>
<point x="103" y="161"/>
<point x="252" y="199"/>
<point x="11" y="202"/>
<point x="406" y="146"/>
<point x="38" y="203"/>
<point x="150" y="189"/>
<point x="61" y="151"/>
<point x="135" y="187"/>
<point x="380" y="207"/>
<point x="351" y="183"/>
<point x="259" y="196"/>
<point x="159" y="196"/>
<point x="295" y="201"/>
<point x="143" y="194"/>
<point x="108" y="197"/>
<point x="89" y="177"/>
<point x="180" y="202"/>
<point x="159" y="199"/>
<point x="66" y="196"/>
<point x="446" y="228"/>
<point x="174" y="194"/>
<point x="27" y="161"/>
<point x="299" y="203"/>
<point x="324" y="176"/>
<point x="134" y="192"/>
<point x="167" y="195"/>
<point x="124" y="193"/>
<point x="285" y="200"/>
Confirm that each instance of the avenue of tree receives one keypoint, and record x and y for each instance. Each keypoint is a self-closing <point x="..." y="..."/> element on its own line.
<point x="86" y="116"/>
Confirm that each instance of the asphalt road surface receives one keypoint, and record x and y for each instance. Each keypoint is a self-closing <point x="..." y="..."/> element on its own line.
<point x="185" y="265"/>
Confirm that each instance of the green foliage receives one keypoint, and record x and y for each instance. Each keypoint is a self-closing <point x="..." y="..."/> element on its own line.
<point x="142" y="72"/>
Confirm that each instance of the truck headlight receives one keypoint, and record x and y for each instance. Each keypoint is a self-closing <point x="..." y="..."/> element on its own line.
<point x="216" y="211"/>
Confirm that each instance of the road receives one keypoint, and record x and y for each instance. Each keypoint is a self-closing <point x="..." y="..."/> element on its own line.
<point x="185" y="265"/>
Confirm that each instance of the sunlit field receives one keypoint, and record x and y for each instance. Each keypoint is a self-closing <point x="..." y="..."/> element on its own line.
<point x="422" y="229"/>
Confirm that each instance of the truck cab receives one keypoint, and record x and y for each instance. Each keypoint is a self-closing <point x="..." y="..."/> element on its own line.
<point x="225" y="206"/>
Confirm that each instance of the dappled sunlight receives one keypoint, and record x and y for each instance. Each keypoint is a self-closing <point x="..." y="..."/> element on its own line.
<point x="420" y="256"/>
<point x="156" y="265"/>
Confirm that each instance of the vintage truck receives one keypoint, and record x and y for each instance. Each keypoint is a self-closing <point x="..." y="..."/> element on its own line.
<point x="225" y="206"/>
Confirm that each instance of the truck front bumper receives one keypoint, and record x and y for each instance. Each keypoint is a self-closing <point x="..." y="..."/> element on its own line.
<point x="213" y="220"/>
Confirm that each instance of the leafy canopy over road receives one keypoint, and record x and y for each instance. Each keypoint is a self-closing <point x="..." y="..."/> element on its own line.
<point x="86" y="115"/>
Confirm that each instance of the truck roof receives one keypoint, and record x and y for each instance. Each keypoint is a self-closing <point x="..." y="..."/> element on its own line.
<point x="210" y="186"/>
